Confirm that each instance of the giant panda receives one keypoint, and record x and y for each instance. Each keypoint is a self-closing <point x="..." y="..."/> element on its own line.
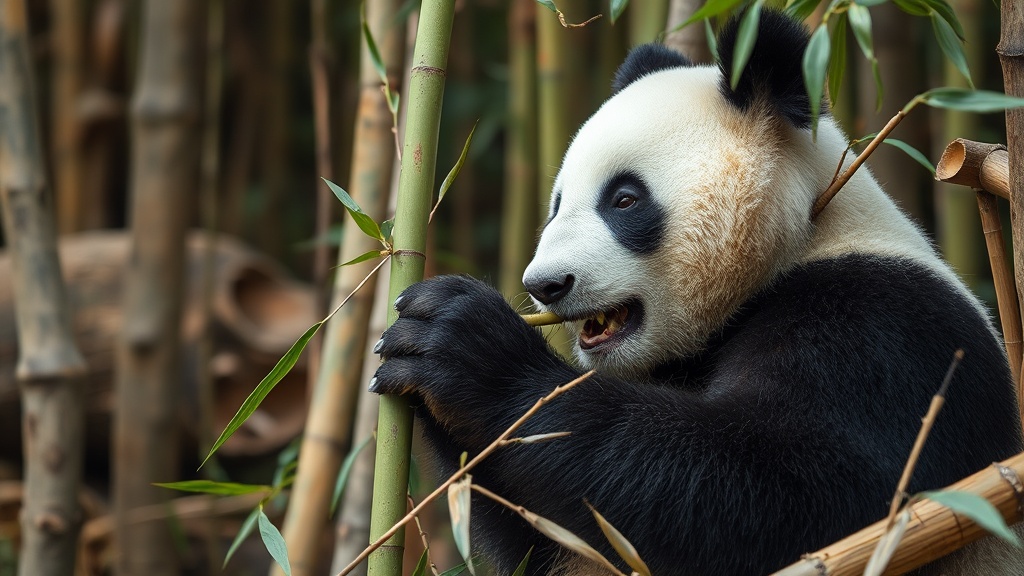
<point x="760" y="376"/>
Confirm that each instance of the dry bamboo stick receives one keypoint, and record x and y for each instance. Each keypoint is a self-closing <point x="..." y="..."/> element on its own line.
<point x="976" y="164"/>
<point x="933" y="532"/>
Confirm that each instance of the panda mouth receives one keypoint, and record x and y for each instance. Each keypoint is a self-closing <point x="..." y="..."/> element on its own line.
<point x="605" y="328"/>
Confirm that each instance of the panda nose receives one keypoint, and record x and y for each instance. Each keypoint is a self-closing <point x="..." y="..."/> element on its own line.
<point x="550" y="290"/>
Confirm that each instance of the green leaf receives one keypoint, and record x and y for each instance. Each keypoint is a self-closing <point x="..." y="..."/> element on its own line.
<point x="837" y="60"/>
<point x="745" y="40"/>
<point x="912" y="152"/>
<point x="948" y="15"/>
<point x="345" y="471"/>
<point x="549" y="5"/>
<point x="709" y="9"/>
<point x="951" y="46"/>
<point x="274" y="542"/>
<point x="287" y="461"/>
<point x="243" y="533"/>
<point x="365" y="223"/>
<point x="363" y="257"/>
<point x="871" y="3"/>
<point x="454" y="571"/>
<point x="454" y="172"/>
<point x="218" y="488"/>
<point x="981" y="101"/>
<point x="879" y="89"/>
<point x="709" y="34"/>
<point x="913" y="7"/>
<point x="814" y="65"/>
<point x="976" y="508"/>
<point x="521" y="569"/>
<point x="801" y="9"/>
<point x="387" y="228"/>
<point x="421" y="566"/>
<point x="860" y="22"/>
<point x="617" y="7"/>
<point x="378" y="62"/>
<point x="279" y="371"/>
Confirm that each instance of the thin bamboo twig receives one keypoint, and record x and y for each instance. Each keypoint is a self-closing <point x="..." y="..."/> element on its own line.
<point x="461" y="471"/>
<point x="841" y="181"/>
<point x="926" y="427"/>
<point x="423" y="537"/>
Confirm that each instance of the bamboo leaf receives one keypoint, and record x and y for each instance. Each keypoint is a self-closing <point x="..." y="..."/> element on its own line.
<point x="976" y="508"/>
<point x="218" y="488"/>
<point x="387" y="228"/>
<point x="837" y="60"/>
<point x="951" y="46"/>
<point x="421" y="566"/>
<point x="454" y="571"/>
<point x="814" y="66"/>
<point x="345" y="471"/>
<point x="365" y="223"/>
<point x="622" y="546"/>
<point x="287" y="461"/>
<point x="860" y="22"/>
<point x="538" y="438"/>
<point x="943" y="9"/>
<point x="459" y="499"/>
<point x="801" y="9"/>
<point x="887" y="545"/>
<point x="279" y="371"/>
<point x="709" y="35"/>
<point x="981" y="101"/>
<point x="913" y="7"/>
<point x="549" y="5"/>
<point x="870" y="3"/>
<point x="363" y="257"/>
<point x="521" y="569"/>
<point x="371" y="45"/>
<point x="745" y="40"/>
<point x="563" y="537"/>
<point x="274" y="542"/>
<point x="912" y="152"/>
<point x="709" y="9"/>
<point x="243" y="532"/>
<point x="454" y="172"/>
<point x="879" y="89"/>
<point x="617" y="7"/>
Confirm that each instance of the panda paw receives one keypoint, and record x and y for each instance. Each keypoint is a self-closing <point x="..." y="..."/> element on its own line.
<point x="461" y="350"/>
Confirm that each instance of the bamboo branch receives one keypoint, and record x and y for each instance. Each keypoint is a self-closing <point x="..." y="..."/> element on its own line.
<point x="934" y="530"/>
<point x="977" y="165"/>
<point x="497" y="443"/>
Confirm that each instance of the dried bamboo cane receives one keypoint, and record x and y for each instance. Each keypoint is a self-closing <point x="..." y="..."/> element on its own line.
<point x="984" y="167"/>
<point x="933" y="532"/>
<point x="49" y="364"/>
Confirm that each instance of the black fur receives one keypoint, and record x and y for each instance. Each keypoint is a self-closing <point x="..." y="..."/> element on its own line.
<point x="787" y="433"/>
<point x="775" y="69"/>
<point x="640" y="227"/>
<point x="646" y="59"/>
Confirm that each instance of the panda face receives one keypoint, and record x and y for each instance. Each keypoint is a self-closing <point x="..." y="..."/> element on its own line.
<point x="662" y="221"/>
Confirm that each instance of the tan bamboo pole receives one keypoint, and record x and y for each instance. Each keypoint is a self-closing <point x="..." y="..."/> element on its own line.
<point x="164" y="175"/>
<point x="328" y="433"/>
<point x="68" y="41"/>
<point x="692" y="40"/>
<point x="519" y="207"/>
<point x="984" y="168"/>
<point x="933" y="531"/>
<point x="49" y="365"/>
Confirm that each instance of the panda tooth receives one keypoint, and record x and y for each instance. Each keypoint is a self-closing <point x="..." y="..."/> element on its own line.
<point x="600" y="318"/>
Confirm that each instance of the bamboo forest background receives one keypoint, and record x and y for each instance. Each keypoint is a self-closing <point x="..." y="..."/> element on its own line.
<point x="162" y="122"/>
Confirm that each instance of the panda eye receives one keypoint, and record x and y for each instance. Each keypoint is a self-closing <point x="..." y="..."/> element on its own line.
<point x="625" y="201"/>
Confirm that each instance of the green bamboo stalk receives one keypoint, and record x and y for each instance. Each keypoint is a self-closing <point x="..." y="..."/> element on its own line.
<point x="415" y="188"/>
<point x="552" y="101"/>
<point x="647" y="20"/>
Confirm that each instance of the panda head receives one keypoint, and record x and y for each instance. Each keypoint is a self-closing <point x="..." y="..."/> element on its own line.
<point x="678" y="199"/>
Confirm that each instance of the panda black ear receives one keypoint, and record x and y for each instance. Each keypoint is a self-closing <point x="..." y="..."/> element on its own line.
<point x="774" y="72"/>
<point x="646" y="59"/>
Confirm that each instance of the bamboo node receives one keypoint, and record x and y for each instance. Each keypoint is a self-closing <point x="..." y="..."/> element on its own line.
<point x="409" y="253"/>
<point x="1011" y="477"/>
<point x="817" y="563"/>
<point x="430" y="71"/>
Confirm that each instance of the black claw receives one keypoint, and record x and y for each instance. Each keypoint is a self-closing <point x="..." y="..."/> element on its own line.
<point x="378" y="345"/>
<point x="373" y="385"/>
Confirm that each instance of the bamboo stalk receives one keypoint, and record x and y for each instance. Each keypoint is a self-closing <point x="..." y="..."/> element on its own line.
<point x="68" y="41"/>
<point x="164" y="173"/>
<point x="328" y="432"/>
<point x="933" y="531"/>
<point x="977" y="165"/>
<point x="416" y="182"/>
<point x="518" y="215"/>
<point x="647" y="20"/>
<point x="689" y="41"/>
<point x="49" y="364"/>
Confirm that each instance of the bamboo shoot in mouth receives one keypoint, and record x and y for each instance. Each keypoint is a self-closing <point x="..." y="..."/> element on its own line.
<point x="542" y="319"/>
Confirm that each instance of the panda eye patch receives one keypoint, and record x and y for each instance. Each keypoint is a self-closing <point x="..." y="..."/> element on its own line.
<point x="631" y="212"/>
<point x="625" y="201"/>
